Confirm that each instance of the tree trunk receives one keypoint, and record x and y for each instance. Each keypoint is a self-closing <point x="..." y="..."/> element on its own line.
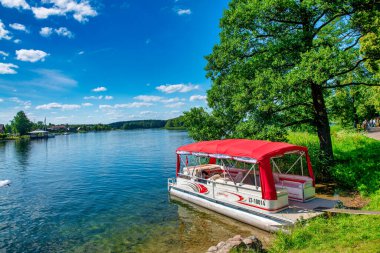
<point x="326" y="156"/>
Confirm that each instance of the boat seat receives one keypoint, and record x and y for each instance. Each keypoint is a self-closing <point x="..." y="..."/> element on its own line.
<point x="299" y="188"/>
<point x="215" y="177"/>
<point x="238" y="177"/>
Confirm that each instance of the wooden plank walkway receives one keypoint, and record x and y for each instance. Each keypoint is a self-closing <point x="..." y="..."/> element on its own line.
<point x="351" y="211"/>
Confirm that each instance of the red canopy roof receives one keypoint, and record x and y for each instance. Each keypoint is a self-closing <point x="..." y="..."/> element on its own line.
<point x="255" y="149"/>
<point x="262" y="151"/>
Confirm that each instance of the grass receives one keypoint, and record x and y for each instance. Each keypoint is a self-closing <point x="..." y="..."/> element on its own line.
<point x="342" y="233"/>
<point x="357" y="159"/>
<point x="357" y="167"/>
<point x="339" y="233"/>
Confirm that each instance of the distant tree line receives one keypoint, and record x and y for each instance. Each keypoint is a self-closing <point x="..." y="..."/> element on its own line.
<point x="175" y="123"/>
<point x="138" y="124"/>
<point x="21" y="125"/>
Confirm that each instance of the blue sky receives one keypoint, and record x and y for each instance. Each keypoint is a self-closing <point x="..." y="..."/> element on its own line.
<point x="98" y="61"/>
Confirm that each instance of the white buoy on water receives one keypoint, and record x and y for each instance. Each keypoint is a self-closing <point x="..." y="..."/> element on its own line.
<point x="5" y="183"/>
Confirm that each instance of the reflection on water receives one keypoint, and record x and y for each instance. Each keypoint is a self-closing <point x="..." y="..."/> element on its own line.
<point x="102" y="192"/>
<point x="22" y="150"/>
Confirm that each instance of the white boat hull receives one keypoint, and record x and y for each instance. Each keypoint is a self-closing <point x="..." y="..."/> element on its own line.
<point x="268" y="222"/>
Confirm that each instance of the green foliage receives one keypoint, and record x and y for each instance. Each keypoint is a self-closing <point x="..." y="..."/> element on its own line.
<point x="176" y="123"/>
<point x="21" y="124"/>
<point x="8" y="129"/>
<point x="342" y="233"/>
<point x="374" y="204"/>
<point x="138" y="124"/>
<point x="279" y="61"/>
<point x="351" y="105"/>
<point x="357" y="159"/>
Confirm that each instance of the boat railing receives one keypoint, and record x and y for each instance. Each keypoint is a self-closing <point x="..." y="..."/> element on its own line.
<point x="171" y="182"/>
<point x="221" y="182"/>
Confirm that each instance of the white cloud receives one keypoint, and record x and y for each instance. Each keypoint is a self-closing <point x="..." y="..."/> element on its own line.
<point x="21" y="103"/>
<point x="7" y="68"/>
<point x="18" y="27"/>
<point x="93" y="97"/>
<point x="46" y="31"/>
<point x="171" y="88"/>
<point x="19" y="4"/>
<point x="147" y="98"/>
<point x="81" y="11"/>
<point x="30" y="55"/>
<point x="197" y="98"/>
<point x="43" y="79"/>
<point x="43" y="13"/>
<point x="183" y="12"/>
<point x="4" y="54"/>
<point x="108" y="97"/>
<point x="133" y="105"/>
<point x="99" y="89"/>
<point x="1" y="100"/>
<point x="17" y="41"/>
<point x="147" y="112"/>
<point x="175" y="105"/>
<point x="64" y="32"/>
<point x="81" y="52"/>
<point x="58" y="106"/>
<point x="4" y="33"/>
<point x="105" y="107"/>
<point x="53" y="79"/>
<point x="87" y="104"/>
<point x="170" y="100"/>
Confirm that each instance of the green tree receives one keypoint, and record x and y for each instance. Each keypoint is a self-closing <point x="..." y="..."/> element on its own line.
<point x="351" y="105"/>
<point x="8" y="129"/>
<point x="276" y="63"/>
<point x="21" y="124"/>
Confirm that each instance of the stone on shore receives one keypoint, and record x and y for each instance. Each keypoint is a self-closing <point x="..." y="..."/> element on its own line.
<point x="249" y="243"/>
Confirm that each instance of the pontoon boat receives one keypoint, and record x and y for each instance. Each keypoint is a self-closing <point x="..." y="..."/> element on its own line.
<point x="253" y="181"/>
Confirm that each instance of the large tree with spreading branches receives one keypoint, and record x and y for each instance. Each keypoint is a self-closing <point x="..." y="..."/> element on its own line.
<point x="278" y="61"/>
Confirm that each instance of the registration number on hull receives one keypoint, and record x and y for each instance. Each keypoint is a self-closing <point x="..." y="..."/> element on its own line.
<point x="256" y="201"/>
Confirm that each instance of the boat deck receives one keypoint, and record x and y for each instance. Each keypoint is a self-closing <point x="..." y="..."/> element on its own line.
<point x="306" y="210"/>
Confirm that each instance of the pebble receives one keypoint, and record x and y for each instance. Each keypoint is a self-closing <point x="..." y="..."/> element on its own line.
<point x="212" y="249"/>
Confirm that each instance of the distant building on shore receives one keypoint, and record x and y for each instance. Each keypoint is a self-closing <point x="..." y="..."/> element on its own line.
<point x="2" y="129"/>
<point x="58" y="128"/>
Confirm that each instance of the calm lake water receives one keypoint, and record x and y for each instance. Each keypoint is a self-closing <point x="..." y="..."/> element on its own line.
<point x="102" y="192"/>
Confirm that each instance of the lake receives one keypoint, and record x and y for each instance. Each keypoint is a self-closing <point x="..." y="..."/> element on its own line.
<point x="102" y="192"/>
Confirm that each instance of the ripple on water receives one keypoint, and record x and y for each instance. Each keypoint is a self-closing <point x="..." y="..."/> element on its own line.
<point x="102" y="192"/>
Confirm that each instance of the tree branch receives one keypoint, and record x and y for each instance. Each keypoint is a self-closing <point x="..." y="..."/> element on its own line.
<point x="286" y="21"/>
<point x="355" y="42"/>
<point x="331" y="20"/>
<point x="347" y="70"/>
<point x="318" y="18"/>
<point x="350" y="84"/>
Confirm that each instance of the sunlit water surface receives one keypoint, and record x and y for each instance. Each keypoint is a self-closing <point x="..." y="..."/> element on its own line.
<point x="102" y="192"/>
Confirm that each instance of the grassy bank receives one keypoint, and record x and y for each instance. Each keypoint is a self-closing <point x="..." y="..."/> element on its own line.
<point x="340" y="233"/>
<point x="6" y="137"/>
<point x="356" y="169"/>
<point x="357" y="159"/>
